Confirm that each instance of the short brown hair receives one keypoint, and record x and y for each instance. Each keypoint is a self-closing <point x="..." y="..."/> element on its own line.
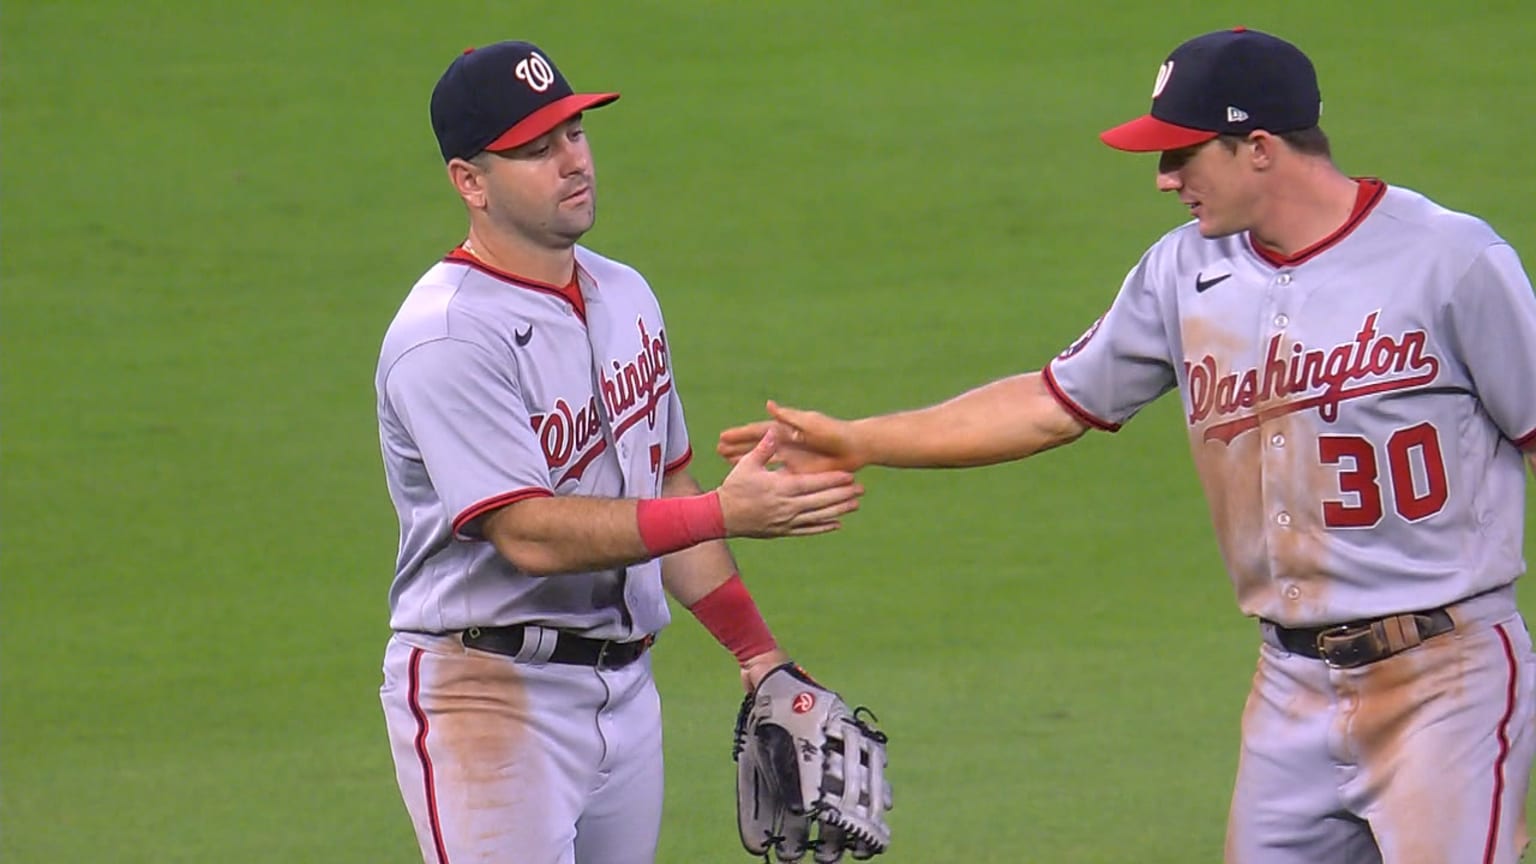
<point x="1312" y="141"/>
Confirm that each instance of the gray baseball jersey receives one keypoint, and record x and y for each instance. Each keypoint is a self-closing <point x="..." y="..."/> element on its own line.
<point x="1356" y="411"/>
<point x="494" y="389"/>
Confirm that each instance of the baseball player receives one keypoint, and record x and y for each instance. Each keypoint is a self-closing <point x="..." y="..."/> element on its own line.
<point x="1355" y="364"/>
<point x="535" y="450"/>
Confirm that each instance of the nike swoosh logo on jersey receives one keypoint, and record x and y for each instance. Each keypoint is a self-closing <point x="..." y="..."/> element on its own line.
<point x="1203" y="284"/>
<point x="522" y="336"/>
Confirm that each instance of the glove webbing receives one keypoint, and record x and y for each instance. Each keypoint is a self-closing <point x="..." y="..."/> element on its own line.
<point x="820" y="813"/>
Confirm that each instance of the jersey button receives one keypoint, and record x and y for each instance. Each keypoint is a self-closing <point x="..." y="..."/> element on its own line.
<point x="1282" y="518"/>
<point x="1292" y="592"/>
<point x="1285" y="279"/>
<point x="1277" y="439"/>
<point x="1281" y="321"/>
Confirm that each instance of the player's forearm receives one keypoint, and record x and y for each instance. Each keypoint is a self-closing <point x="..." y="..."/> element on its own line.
<point x="1002" y="421"/>
<point x="704" y="579"/>
<point x="690" y="574"/>
<point x="567" y="534"/>
<point x="570" y="534"/>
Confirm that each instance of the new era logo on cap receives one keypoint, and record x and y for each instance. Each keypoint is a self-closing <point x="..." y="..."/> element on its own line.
<point x="500" y="97"/>
<point x="1230" y="82"/>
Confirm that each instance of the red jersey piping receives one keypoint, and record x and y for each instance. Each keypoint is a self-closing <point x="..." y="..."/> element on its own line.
<point x="1072" y="407"/>
<point x="1367" y="196"/>
<point x="429" y="783"/>
<point x="480" y="508"/>
<point x="570" y="292"/>
<point x="680" y="462"/>
<point x="1491" y="846"/>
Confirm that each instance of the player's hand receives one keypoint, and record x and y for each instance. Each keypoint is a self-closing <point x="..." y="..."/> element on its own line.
<point x="758" y="501"/>
<point x="809" y="441"/>
<point x="755" y="668"/>
<point x="737" y="441"/>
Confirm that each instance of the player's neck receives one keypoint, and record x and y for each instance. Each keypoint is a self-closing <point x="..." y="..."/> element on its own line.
<point x="549" y="266"/>
<point x="1306" y="208"/>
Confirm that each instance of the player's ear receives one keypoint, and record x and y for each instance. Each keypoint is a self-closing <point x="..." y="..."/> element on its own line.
<point x="1262" y="148"/>
<point x="468" y="180"/>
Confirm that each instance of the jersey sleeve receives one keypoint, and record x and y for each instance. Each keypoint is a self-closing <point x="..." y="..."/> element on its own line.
<point x="1492" y="317"/>
<point x="1123" y="362"/>
<point x="679" y="452"/>
<point x="464" y="411"/>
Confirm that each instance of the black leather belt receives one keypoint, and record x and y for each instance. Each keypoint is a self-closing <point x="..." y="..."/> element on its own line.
<point x="568" y="648"/>
<point x="1359" y="643"/>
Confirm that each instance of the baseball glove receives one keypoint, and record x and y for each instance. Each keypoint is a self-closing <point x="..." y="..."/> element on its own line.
<point x="810" y="774"/>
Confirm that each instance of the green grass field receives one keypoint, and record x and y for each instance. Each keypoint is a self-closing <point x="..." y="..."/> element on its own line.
<point x="208" y="217"/>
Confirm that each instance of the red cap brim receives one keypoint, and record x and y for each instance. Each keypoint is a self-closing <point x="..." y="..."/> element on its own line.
<point x="548" y="117"/>
<point x="1146" y="134"/>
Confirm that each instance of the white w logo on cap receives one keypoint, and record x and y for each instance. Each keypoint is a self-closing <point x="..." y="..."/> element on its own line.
<point x="536" y="72"/>
<point x="1164" y="72"/>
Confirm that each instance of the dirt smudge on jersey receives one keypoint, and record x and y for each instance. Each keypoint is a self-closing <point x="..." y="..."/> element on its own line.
<point x="1288" y="706"/>
<point x="483" y="752"/>
<point x="1280" y="699"/>
<point x="1287" y="695"/>
<point x="1403" y="730"/>
<point x="1297" y="483"/>
<point x="1231" y="475"/>
<point x="1264" y="487"/>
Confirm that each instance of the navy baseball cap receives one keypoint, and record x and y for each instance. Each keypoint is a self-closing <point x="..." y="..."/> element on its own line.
<point x="502" y="96"/>
<point x="1230" y="82"/>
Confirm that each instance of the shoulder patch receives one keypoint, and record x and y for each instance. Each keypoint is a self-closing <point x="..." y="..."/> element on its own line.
<point x="1082" y="341"/>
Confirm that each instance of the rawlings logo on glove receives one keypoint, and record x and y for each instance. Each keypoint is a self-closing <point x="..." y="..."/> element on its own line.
<point x="806" y="765"/>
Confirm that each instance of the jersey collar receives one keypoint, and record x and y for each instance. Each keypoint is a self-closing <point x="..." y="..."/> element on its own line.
<point x="1367" y="196"/>
<point x="569" y="292"/>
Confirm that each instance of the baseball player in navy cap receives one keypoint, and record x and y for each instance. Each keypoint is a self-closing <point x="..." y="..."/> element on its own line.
<point x="1354" y="364"/>
<point x="535" y="450"/>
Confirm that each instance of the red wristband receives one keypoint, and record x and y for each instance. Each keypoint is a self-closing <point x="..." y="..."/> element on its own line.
<point x="730" y="614"/>
<point x="670" y="524"/>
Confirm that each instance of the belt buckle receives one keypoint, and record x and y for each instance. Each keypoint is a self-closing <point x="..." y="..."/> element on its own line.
<point x="1356" y="654"/>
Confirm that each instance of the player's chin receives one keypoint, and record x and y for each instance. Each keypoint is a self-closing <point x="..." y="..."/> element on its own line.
<point x="573" y="225"/>
<point x="1212" y="230"/>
